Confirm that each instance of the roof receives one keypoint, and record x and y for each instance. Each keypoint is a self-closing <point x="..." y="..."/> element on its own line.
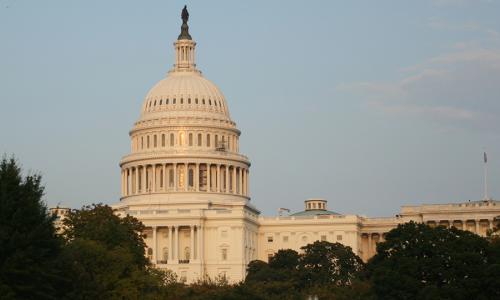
<point x="314" y="212"/>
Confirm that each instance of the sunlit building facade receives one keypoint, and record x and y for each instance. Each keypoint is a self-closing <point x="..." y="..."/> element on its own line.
<point x="187" y="181"/>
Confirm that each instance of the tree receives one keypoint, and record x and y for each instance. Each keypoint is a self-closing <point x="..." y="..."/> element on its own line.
<point x="28" y="242"/>
<point x="420" y="262"/>
<point x="99" y="223"/>
<point x="285" y="259"/>
<point x="325" y="263"/>
<point x="104" y="257"/>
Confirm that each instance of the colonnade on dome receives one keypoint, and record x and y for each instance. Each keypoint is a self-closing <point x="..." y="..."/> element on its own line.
<point x="185" y="177"/>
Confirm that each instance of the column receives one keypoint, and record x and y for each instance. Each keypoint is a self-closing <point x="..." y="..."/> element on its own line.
<point x="153" y="185"/>
<point x="217" y="175"/>
<point x="164" y="183"/>
<point x="175" y="176"/>
<point x="242" y="187"/>
<point x="369" y="245"/>
<point x="234" y="180"/>
<point x="196" y="178"/>
<point x="155" y="246"/>
<point x="200" y="243"/>
<point x="144" y="179"/>
<point x="248" y="182"/>
<point x="477" y="226"/>
<point x="209" y="184"/>
<point x="240" y="180"/>
<point x="137" y="180"/>
<point x="125" y="182"/>
<point x="191" y="248"/>
<point x="176" y="243"/>
<point x="128" y="182"/>
<point x="186" y="176"/>
<point x="171" y="243"/>
<point x="227" y="179"/>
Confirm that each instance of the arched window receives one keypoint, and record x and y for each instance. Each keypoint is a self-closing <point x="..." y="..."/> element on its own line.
<point x="203" y="101"/>
<point x="182" y="100"/>
<point x="199" y="139"/>
<point x="190" y="139"/>
<point x="208" y="140"/>
<point x="189" y="100"/>
<point x="163" y="140"/>
<point x="166" y="102"/>
<point x="196" y="100"/>
<point x="209" y="102"/>
<point x="161" y="101"/>
<point x="173" y="101"/>
<point x="172" y="139"/>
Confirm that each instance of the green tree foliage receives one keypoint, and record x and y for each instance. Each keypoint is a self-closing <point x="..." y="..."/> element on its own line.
<point x="104" y="257"/>
<point x="492" y="271"/>
<point x="99" y="223"/>
<point x="325" y="263"/>
<point x="323" y="269"/>
<point x="28" y="243"/>
<point x="420" y="262"/>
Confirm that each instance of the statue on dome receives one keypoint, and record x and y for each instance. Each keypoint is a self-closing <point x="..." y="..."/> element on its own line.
<point x="185" y="14"/>
<point x="184" y="28"/>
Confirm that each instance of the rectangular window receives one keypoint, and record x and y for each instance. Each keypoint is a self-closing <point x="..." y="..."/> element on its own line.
<point x="270" y="239"/>
<point x="163" y="140"/>
<point x="147" y="142"/>
<point x="224" y="254"/>
<point x="323" y="238"/>
<point x="285" y="239"/>
<point x="339" y="237"/>
<point x="208" y="140"/>
<point x="191" y="139"/>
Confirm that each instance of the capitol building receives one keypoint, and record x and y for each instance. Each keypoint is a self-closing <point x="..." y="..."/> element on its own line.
<point x="187" y="181"/>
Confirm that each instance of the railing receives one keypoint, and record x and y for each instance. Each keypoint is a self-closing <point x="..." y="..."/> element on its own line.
<point x="162" y="262"/>
<point x="183" y="261"/>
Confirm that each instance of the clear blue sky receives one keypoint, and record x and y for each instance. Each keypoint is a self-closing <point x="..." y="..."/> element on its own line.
<point x="369" y="104"/>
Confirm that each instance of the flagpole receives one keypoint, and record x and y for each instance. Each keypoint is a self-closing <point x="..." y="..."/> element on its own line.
<point x="485" y="176"/>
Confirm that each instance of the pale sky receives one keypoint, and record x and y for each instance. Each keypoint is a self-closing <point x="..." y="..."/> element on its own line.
<point x="369" y="104"/>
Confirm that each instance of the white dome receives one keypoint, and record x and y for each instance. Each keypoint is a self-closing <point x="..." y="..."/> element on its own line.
<point x="185" y="91"/>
